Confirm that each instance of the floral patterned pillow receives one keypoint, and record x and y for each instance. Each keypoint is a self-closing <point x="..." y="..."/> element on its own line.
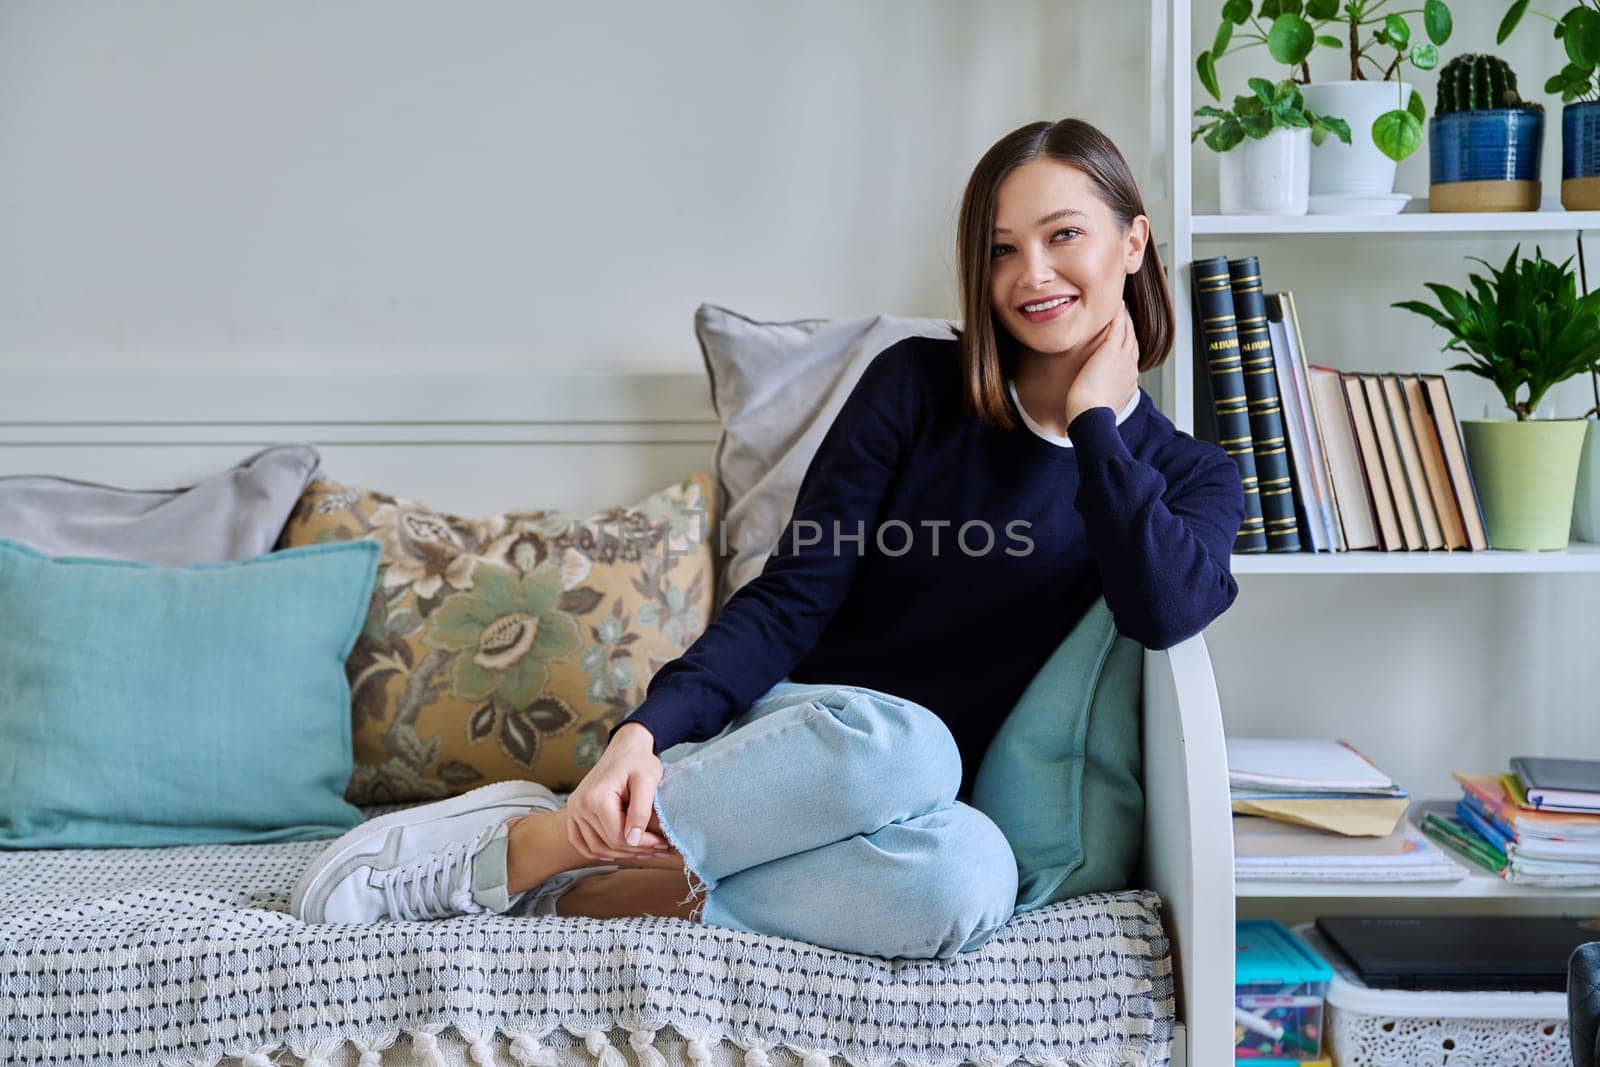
<point x="509" y="646"/>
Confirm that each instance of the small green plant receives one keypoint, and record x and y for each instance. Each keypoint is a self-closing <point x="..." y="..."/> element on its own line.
<point x="1524" y="328"/>
<point x="1266" y="108"/>
<point x="1291" y="29"/>
<point x="1479" y="83"/>
<point x="1578" y="30"/>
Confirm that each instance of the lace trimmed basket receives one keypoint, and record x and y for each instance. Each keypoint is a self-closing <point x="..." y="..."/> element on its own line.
<point x="1406" y="1028"/>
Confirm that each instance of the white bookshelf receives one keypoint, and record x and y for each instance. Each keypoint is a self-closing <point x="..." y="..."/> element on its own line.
<point x="1186" y="225"/>
<point x="1551" y="218"/>
<point x="1578" y="558"/>
<point x="1478" y="885"/>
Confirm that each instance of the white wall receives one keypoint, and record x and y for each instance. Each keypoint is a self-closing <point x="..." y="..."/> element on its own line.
<point x="1425" y="674"/>
<point x="493" y="184"/>
<point x="490" y="186"/>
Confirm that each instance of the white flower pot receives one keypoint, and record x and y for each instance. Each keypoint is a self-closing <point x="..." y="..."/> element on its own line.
<point x="1356" y="169"/>
<point x="1271" y="176"/>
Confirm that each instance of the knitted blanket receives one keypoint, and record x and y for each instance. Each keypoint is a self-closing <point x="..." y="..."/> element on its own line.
<point x="189" y="956"/>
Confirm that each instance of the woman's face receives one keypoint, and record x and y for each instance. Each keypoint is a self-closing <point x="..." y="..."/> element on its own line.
<point x="1056" y="241"/>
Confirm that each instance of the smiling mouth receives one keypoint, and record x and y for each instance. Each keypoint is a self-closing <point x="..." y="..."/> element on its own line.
<point x="1045" y="310"/>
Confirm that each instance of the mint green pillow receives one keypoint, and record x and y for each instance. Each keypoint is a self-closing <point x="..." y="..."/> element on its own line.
<point x="1062" y="777"/>
<point x="144" y="705"/>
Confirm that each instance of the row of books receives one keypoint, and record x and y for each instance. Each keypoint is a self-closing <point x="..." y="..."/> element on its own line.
<point x="1321" y="811"/>
<point x="1331" y="461"/>
<point x="1499" y="826"/>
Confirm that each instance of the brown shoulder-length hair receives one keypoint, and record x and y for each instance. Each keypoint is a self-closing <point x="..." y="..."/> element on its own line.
<point x="988" y="351"/>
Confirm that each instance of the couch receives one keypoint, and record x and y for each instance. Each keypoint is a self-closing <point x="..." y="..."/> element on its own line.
<point x="196" y="946"/>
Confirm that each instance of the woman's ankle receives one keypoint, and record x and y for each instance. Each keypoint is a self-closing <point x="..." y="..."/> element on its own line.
<point x="537" y="849"/>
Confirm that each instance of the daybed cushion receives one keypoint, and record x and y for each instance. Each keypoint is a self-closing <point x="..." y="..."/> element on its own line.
<point x="144" y="705"/>
<point x="776" y="387"/>
<point x="235" y="514"/>
<point x="1062" y="778"/>
<point x="508" y="646"/>
<point x="185" y="955"/>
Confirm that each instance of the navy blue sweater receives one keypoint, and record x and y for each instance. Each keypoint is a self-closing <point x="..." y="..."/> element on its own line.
<point x="965" y="553"/>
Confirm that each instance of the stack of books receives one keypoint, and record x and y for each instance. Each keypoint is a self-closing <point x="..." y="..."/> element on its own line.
<point x="1320" y="811"/>
<point x="1331" y="461"/>
<point x="1538" y="825"/>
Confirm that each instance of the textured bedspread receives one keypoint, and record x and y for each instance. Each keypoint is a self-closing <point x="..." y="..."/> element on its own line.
<point x="188" y="955"/>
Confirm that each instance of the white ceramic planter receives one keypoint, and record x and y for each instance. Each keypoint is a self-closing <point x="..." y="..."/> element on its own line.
<point x="1356" y="169"/>
<point x="1271" y="176"/>
<point x="1586" y="505"/>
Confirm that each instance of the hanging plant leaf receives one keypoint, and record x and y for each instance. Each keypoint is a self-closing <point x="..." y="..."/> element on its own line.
<point x="1290" y="39"/>
<point x="1436" y="21"/>
<point x="1509" y="23"/>
<point x="1397" y="134"/>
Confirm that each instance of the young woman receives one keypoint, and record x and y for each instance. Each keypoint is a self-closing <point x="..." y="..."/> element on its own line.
<point x="798" y="768"/>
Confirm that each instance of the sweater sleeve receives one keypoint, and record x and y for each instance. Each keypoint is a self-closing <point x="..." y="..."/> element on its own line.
<point x="1163" y="559"/>
<point x="774" y="620"/>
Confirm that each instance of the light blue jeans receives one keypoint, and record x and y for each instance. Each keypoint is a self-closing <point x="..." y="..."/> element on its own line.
<point x="828" y="814"/>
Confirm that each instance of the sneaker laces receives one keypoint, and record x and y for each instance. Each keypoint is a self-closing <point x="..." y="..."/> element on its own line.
<point x="435" y="885"/>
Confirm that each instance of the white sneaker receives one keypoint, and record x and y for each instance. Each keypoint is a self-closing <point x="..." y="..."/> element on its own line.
<point x="541" y="899"/>
<point x="427" y="862"/>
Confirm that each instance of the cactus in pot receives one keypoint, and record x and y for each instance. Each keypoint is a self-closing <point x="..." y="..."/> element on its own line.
<point x="1485" y="140"/>
<point x="1476" y="82"/>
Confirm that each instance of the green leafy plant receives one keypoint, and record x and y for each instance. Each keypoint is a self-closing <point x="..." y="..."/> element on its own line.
<point x="1578" y="30"/>
<point x="1266" y="108"/>
<point x="1291" y="29"/>
<point x="1524" y="328"/>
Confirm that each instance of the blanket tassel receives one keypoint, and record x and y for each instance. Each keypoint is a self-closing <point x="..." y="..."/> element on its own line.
<point x="426" y="1043"/>
<point x="699" y="1051"/>
<point x="372" y="1050"/>
<point x="604" y="1052"/>
<point x="479" y="1049"/>
<point x="642" y="1042"/>
<point x="529" y="1050"/>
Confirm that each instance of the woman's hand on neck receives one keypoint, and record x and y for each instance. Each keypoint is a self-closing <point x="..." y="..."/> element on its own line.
<point x="1056" y="389"/>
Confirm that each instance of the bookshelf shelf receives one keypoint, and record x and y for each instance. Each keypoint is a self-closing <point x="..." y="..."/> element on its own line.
<point x="1578" y="558"/>
<point x="1405" y="224"/>
<point x="1477" y="885"/>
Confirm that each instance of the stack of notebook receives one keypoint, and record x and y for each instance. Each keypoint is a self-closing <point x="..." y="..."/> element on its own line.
<point x="1535" y="826"/>
<point x="1320" y="811"/>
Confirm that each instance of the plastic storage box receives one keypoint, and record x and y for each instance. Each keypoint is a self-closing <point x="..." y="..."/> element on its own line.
<point x="1279" y="985"/>
<point x="1378" y="1027"/>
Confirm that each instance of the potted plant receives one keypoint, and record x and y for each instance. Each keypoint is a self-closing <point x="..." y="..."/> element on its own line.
<point x="1524" y="328"/>
<point x="1579" y="32"/>
<point x="1264" y="148"/>
<point x="1484" y="140"/>
<point x="1384" y="113"/>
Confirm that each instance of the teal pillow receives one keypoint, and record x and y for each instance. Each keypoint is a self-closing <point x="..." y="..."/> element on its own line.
<point x="1062" y="777"/>
<point x="144" y="705"/>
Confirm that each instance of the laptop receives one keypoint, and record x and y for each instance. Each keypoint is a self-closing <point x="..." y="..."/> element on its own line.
<point x="1512" y="953"/>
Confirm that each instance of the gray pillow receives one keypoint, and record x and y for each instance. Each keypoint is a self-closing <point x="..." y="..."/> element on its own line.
<point x="776" y="387"/>
<point x="234" y="515"/>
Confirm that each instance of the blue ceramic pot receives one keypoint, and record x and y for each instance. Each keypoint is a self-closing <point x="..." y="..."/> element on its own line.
<point x="1580" y="141"/>
<point x="1502" y="145"/>
<point x="1580" y="156"/>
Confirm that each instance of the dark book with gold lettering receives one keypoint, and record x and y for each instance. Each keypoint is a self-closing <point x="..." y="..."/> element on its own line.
<point x="1267" y="435"/>
<point x="1217" y="338"/>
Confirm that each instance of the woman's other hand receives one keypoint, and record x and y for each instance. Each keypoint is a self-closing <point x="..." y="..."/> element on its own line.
<point x="616" y="798"/>
<point x="1109" y="377"/>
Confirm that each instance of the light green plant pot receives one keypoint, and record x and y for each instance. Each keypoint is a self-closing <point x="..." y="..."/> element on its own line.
<point x="1586" y="503"/>
<point x="1526" y="473"/>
